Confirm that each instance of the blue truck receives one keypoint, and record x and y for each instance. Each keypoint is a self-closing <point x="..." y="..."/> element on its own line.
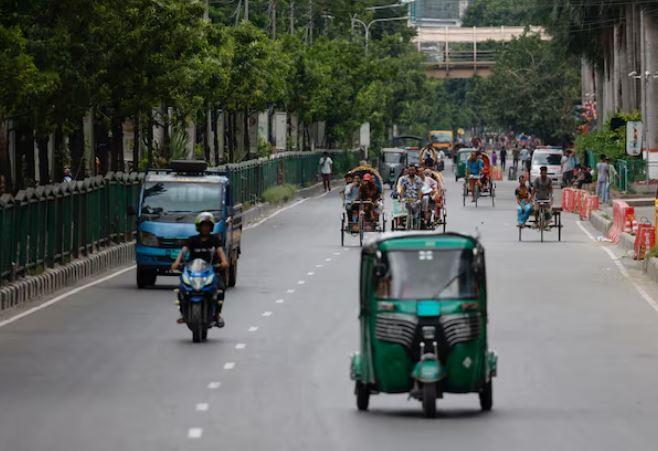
<point x="169" y="201"/>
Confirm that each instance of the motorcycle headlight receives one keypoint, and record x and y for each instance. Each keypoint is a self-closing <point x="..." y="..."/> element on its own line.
<point x="186" y="279"/>
<point x="198" y="283"/>
<point x="148" y="239"/>
<point x="208" y="280"/>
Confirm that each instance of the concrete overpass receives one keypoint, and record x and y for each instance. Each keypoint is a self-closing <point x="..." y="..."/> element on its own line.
<point x="452" y="52"/>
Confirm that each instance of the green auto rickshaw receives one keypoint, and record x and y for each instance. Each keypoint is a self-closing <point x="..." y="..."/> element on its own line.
<point x="423" y="315"/>
<point x="460" y="161"/>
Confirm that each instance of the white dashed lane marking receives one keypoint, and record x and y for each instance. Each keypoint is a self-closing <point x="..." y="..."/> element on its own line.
<point x="319" y="266"/>
<point x="240" y="346"/>
<point x="229" y="365"/>
<point x="291" y="290"/>
<point x="214" y="385"/>
<point x="279" y="301"/>
<point x="267" y="313"/>
<point x="310" y="273"/>
<point x="327" y="259"/>
<point x="253" y="329"/>
<point x="202" y="407"/>
<point x="194" y="433"/>
<point x="301" y="282"/>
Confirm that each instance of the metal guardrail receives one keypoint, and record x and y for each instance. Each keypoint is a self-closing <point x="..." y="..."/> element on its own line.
<point x="54" y="224"/>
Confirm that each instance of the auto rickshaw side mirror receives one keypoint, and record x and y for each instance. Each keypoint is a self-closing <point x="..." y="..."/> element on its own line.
<point x="379" y="270"/>
<point x="478" y="260"/>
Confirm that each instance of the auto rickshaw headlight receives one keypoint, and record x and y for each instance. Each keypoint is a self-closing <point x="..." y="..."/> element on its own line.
<point x="429" y="332"/>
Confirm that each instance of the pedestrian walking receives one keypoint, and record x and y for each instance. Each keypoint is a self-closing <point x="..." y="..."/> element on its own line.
<point x="612" y="176"/>
<point x="326" y="168"/>
<point x="503" y="158"/>
<point x="494" y="158"/>
<point x="524" y="156"/>
<point x="602" y="179"/>
<point x="515" y="158"/>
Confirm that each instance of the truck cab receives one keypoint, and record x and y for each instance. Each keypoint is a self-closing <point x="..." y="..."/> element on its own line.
<point x="169" y="201"/>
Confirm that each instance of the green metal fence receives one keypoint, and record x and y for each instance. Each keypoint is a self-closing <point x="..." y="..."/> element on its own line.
<point x="629" y="172"/>
<point x="49" y="225"/>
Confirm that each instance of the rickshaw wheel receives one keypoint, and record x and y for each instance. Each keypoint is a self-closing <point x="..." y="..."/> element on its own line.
<point x="429" y="400"/>
<point x="486" y="397"/>
<point x="362" y="396"/>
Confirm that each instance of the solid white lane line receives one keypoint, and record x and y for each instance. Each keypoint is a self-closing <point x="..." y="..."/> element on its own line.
<point x="310" y="273"/>
<point x="253" y="328"/>
<point x="229" y="365"/>
<point x="301" y="282"/>
<point x="240" y="346"/>
<point x="202" y="407"/>
<point x="214" y="385"/>
<point x="194" y="433"/>
<point x="291" y="290"/>
<point x="279" y="301"/>
<point x="64" y="296"/>
<point x="267" y="313"/>
<point x="622" y="269"/>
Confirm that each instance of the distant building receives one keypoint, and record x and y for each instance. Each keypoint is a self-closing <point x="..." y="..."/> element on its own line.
<point x="437" y="13"/>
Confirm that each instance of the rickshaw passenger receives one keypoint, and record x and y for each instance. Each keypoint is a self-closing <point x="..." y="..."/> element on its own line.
<point x="349" y="196"/>
<point x="523" y="204"/>
<point x="437" y="191"/>
<point x="369" y="192"/>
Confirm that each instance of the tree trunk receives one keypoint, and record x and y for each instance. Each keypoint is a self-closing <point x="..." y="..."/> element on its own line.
<point x="215" y="134"/>
<point x="77" y="145"/>
<point x="42" y="143"/>
<point x="117" y="143"/>
<point x="149" y="140"/>
<point x="165" y="147"/>
<point x="59" y="153"/>
<point x="245" y="134"/>
<point x="25" y="155"/>
<point x="232" y="141"/>
<point x="5" y="169"/>
<point x="136" y="142"/>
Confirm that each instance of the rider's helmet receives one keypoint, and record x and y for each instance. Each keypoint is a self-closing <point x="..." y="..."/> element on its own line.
<point x="204" y="217"/>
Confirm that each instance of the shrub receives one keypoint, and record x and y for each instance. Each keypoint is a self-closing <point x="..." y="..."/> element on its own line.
<point x="279" y="194"/>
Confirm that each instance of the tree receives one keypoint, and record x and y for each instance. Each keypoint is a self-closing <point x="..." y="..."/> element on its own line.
<point x="495" y="13"/>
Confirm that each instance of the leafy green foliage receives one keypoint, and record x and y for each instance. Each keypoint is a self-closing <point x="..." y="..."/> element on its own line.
<point x="494" y="13"/>
<point x="605" y="141"/>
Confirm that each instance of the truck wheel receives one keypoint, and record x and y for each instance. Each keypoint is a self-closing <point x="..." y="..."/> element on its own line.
<point x="486" y="397"/>
<point x="146" y="278"/>
<point x="429" y="400"/>
<point x="362" y="396"/>
<point x="233" y="274"/>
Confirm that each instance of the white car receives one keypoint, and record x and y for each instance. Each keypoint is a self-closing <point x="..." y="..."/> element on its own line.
<point x="550" y="157"/>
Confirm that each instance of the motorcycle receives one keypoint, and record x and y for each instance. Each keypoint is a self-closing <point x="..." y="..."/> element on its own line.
<point x="197" y="296"/>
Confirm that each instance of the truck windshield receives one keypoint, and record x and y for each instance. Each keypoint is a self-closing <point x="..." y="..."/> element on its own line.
<point x="169" y="197"/>
<point x="428" y="274"/>
<point x="441" y="137"/>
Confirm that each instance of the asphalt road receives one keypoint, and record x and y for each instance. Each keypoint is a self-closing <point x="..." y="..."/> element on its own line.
<point x="108" y="368"/>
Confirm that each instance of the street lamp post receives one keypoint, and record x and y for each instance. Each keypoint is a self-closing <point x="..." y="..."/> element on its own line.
<point x="367" y="26"/>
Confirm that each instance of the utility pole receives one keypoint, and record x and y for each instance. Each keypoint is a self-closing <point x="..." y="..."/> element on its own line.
<point x="292" y="16"/>
<point x="206" y="10"/>
<point x="246" y="9"/>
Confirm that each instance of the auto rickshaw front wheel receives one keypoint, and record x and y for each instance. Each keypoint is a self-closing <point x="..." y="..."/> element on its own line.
<point x="429" y="400"/>
<point x="486" y="396"/>
<point x="362" y="395"/>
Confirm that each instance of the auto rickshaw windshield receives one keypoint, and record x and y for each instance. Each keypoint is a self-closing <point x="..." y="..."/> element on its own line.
<point x="428" y="274"/>
<point x="393" y="157"/>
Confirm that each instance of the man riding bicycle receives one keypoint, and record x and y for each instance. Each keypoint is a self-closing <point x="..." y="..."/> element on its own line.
<point x="411" y="191"/>
<point x="474" y="172"/>
<point x="542" y="192"/>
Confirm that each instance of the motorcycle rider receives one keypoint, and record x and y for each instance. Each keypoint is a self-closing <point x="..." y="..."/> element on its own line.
<point x="208" y="247"/>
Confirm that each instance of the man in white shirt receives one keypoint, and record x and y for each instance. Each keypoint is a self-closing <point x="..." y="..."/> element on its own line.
<point x="326" y="168"/>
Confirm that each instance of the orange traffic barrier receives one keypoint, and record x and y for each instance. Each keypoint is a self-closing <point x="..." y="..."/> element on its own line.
<point x="645" y="239"/>
<point x="623" y="216"/>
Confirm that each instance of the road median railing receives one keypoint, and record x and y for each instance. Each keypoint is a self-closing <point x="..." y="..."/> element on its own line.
<point x="53" y="225"/>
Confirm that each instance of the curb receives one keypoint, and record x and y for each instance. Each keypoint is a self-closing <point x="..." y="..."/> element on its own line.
<point x="53" y="279"/>
<point x="30" y="288"/>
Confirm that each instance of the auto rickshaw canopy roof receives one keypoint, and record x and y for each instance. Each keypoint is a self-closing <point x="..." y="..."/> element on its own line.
<point x="394" y="241"/>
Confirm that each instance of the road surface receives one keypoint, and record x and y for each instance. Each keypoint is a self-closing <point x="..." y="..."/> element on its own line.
<point x="108" y="369"/>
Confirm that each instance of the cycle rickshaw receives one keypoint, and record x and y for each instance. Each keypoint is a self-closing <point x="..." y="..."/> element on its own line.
<point x="364" y="215"/>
